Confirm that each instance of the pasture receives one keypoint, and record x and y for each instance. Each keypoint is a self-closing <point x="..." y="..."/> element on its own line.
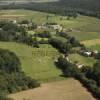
<point x="36" y="62"/>
<point x="69" y="89"/>
<point x="83" y="27"/>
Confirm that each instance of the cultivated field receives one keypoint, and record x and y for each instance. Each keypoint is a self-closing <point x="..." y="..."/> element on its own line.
<point x="69" y="89"/>
<point x="36" y="62"/>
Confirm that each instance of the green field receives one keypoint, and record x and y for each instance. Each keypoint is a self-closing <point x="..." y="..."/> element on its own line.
<point x="95" y="47"/>
<point x="82" y="36"/>
<point x="88" y="61"/>
<point x="36" y="62"/>
<point x="83" y="28"/>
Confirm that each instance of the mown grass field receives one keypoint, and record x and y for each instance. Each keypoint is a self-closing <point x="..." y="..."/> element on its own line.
<point x="69" y="89"/>
<point x="36" y="62"/>
<point x="83" y="28"/>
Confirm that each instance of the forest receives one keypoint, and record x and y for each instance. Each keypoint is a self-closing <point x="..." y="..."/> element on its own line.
<point x="62" y="7"/>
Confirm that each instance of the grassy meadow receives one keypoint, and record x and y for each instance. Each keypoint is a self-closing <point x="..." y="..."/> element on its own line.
<point x="36" y="62"/>
<point x="87" y="61"/>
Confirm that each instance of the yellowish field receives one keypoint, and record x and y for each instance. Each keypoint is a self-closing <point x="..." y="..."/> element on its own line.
<point x="91" y="42"/>
<point x="69" y="89"/>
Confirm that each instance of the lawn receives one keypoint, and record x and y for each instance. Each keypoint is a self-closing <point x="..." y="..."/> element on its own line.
<point x="69" y="89"/>
<point x="88" y="61"/>
<point x="36" y="62"/>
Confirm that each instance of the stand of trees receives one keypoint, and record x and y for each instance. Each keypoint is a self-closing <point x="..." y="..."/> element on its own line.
<point x="64" y="47"/>
<point x="61" y="46"/>
<point x="44" y="34"/>
<point x="12" y="79"/>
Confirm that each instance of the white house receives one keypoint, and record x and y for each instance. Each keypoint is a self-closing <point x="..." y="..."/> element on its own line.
<point x="88" y="53"/>
<point x="56" y="27"/>
<point x="79" y="65"/>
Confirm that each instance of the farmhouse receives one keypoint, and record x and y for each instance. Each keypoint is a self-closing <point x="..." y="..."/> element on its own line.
<point x="56" y="27"/>
<point x="79" y="65"/>
<point x="41" y="27"/>
<point x="86" y="53"/>
<point x="26" y="25"/>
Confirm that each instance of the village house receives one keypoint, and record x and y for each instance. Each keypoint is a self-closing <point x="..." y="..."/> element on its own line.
<point x="79" y="65"/>
<point x="50" y="26"/>
<point x="86" y="53"/>
<point x="56" y="27"/>
<point x="95" y="52"/>
<point x="41" y="27"/>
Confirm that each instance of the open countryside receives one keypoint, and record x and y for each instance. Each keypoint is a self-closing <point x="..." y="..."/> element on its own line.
<point x="49" y="50"/>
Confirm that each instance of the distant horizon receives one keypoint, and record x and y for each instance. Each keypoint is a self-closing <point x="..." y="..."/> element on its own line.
<point x="27" y="1"/>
